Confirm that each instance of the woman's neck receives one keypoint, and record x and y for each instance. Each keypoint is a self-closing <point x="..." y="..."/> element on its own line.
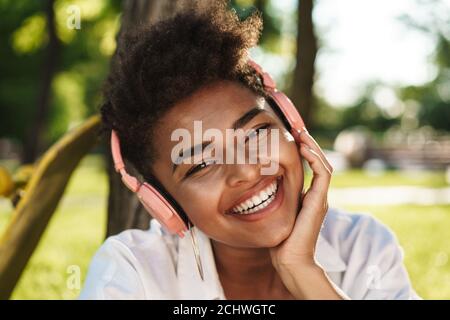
<point x="247" y="272"/>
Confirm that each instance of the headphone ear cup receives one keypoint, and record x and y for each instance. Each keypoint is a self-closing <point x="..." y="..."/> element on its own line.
<point x="158" y="203"/>
<point x="289" y="111"/>
<point x="161" y="209"/>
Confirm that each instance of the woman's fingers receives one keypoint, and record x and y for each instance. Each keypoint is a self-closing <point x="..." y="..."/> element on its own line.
<point x="306" y="138"/>
<point x="314" y="203"/>
<point x="300" y="246"/>
<point x="321" y="174"/>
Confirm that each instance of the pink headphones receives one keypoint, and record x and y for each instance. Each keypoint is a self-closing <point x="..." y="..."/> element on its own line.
<point x="157" y="201"/>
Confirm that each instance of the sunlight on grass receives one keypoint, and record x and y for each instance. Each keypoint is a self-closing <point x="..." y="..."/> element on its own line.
<point x="362" y="179"/>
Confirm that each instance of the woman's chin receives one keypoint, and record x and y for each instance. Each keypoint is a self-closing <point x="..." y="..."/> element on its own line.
<point x="275" y="236"/>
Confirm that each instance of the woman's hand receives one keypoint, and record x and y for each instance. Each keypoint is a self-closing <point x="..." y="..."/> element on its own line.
<point x="299" y="247"/>
<point x="294" y="257"/>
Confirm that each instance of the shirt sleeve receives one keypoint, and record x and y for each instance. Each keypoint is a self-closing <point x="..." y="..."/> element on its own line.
<point x="112" y="275"/>
<point x="375" y="267"/>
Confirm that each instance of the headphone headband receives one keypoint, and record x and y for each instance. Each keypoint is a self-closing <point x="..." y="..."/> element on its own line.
<point x="268" y="81"/>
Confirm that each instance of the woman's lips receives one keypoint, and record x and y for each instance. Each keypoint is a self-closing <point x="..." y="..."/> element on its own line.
<point x="262" y="185"/>
<point x="262" y="213"/>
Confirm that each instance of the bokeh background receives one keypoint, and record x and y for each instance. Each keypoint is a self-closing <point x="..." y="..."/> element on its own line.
<point x="371" y="78"/>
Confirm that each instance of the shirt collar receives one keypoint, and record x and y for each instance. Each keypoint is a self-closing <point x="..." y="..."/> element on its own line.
<point x="191" y="285"/>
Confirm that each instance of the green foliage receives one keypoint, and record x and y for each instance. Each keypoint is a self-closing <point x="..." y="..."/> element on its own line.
<point x="329" y="121"/>
<point x="85" y="54"/>
<point x="82" y="63"/>
<point x="271" y="36"/>
<point x="434" y="97"/>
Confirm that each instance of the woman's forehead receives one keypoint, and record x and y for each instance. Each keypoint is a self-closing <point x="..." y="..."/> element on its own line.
<point x="215" y="106"/>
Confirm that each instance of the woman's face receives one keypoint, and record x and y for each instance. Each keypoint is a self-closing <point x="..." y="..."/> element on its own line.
<point x="210" y="191"/>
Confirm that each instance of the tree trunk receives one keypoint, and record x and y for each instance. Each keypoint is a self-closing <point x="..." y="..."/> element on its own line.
<point x="301" y="90"/>
<point x="34" y="135"/>
<point x="124" y="209"/>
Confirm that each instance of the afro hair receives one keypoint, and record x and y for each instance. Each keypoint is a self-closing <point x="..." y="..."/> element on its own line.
<point x="159" y="65"/>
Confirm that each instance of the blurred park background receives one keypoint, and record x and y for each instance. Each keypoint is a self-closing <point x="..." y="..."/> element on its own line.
<point x="371" y="78"/>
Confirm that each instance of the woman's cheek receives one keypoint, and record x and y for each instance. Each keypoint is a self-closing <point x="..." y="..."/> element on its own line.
<point x="200" y="207"/>
<point x="288" y="150"/>
<point x="290" y="160"/>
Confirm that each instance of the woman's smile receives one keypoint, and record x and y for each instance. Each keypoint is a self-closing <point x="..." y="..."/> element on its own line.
<point x="257" y="204"/>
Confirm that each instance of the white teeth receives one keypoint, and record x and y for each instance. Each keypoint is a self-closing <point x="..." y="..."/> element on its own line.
<point x="257" y="202"/>
<point x="264" y="196"/>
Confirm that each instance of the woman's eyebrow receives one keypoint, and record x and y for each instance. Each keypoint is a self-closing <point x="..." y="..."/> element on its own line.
<point x="239" y="123"/>
<point x="247" y="117"/>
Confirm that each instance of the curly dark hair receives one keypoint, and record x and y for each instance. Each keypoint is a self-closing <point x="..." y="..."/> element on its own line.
<point x="159" y="65"/>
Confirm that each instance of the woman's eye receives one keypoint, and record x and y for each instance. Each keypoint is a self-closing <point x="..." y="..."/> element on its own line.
<point x="254" y="132"/>
<point x="199" y="167"/>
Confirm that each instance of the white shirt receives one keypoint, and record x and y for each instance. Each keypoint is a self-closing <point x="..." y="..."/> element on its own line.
<point x="359" y="254"/>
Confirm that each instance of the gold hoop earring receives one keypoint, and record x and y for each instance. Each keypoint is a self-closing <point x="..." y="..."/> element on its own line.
<point x="196" y="250"/>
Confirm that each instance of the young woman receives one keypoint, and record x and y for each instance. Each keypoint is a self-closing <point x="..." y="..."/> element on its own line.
<point x="195" y="67"/>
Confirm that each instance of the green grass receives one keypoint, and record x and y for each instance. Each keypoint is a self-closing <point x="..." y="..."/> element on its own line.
<point x="363" y="179"/>
<point x="423" y="232"/>
<point x="78" y="226"/>
<point x="73" y="235"/>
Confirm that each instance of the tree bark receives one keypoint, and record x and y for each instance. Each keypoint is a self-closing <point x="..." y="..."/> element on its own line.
<point x="34" y="135"/>
<point x="124" y="209"/>
<point x="302" y="84"/>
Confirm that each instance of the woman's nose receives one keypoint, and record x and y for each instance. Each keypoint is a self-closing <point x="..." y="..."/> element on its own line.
<point x="241" y="173"/>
